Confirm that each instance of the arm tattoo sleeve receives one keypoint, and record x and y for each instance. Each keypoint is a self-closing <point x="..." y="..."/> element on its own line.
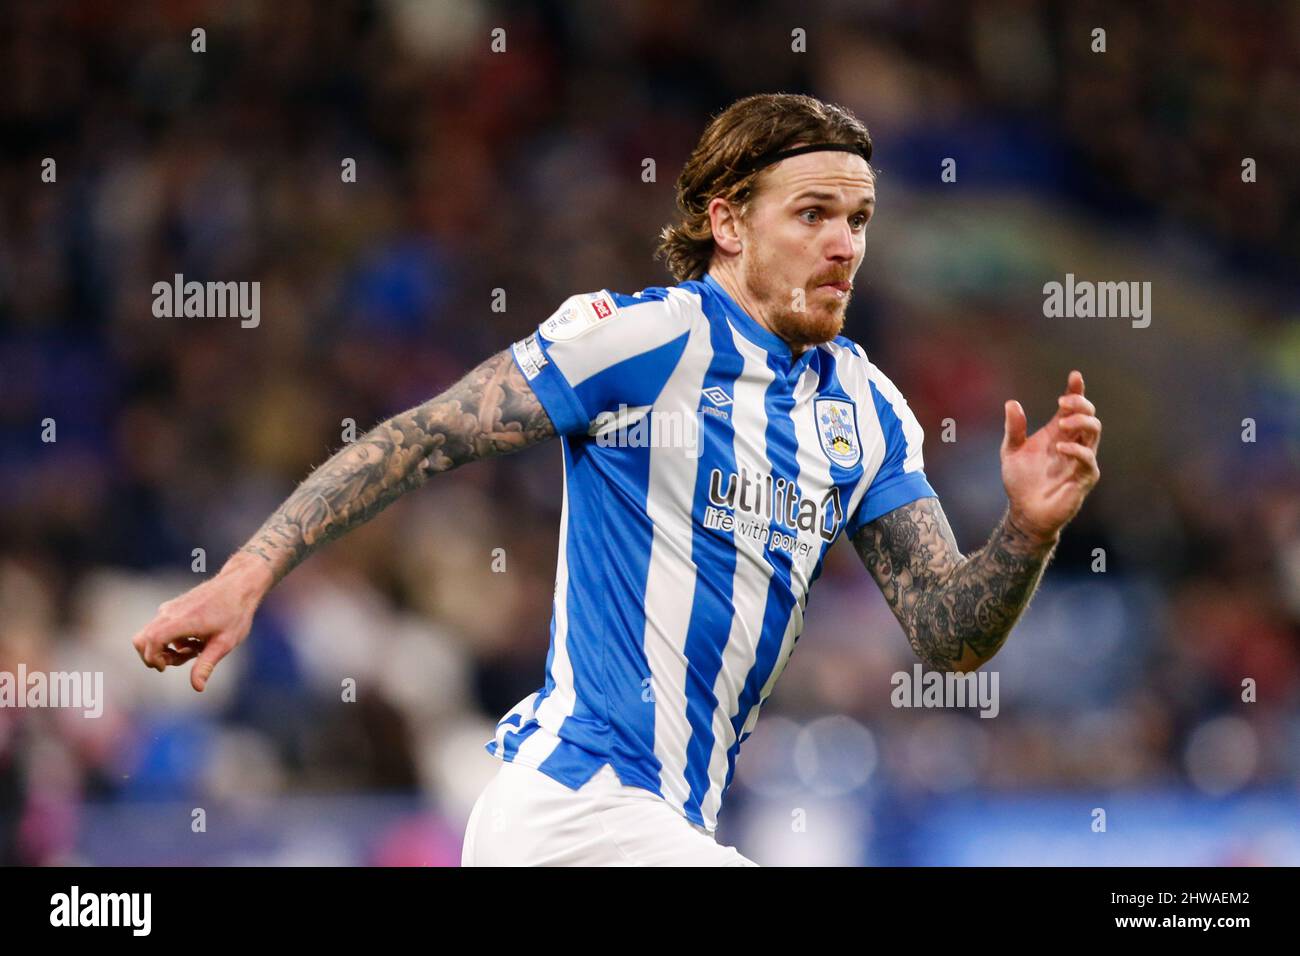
<point x="956" y="611"/>
<point x="491" y="411"/>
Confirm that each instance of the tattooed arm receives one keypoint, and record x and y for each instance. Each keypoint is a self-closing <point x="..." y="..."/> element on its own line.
<point x="491" y="411"/>
<point x="956" y="611"/>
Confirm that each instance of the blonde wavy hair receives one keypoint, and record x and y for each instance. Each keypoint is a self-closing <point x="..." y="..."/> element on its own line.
<point x="744" y="131"/>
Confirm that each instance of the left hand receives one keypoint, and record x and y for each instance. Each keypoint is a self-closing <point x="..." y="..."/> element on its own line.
<point x="1048" y="474"/>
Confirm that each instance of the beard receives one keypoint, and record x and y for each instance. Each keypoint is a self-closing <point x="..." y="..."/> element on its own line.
<point x="821" y="320"/>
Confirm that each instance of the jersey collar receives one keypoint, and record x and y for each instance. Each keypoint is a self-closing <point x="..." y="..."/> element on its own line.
<point x="757" y="333"/>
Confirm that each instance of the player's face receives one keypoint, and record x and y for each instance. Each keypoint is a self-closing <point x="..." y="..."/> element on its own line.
<point x="805" y="238"/>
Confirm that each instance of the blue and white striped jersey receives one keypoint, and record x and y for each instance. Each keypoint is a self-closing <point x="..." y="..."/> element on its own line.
<point x="706" y="473"/>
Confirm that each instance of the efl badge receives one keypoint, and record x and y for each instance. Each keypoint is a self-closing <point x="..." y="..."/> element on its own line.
<point x="579" y="314"/>
<point x="837" y="427"/>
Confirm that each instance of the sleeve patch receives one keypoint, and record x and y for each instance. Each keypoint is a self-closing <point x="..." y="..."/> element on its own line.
<point x="580" y="314"/>
<point x="529" y="355"/>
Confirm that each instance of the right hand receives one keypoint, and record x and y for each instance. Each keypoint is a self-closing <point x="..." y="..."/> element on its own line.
<point x="207" y="622"/>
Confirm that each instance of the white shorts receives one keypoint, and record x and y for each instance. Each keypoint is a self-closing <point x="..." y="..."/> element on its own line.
<point x="525" y="818"/>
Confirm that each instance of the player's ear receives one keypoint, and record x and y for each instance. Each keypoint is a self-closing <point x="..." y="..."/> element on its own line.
<point x="725" y="221"/>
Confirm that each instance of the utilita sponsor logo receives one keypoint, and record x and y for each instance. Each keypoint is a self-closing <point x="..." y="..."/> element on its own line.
<point x="774" y="500"/>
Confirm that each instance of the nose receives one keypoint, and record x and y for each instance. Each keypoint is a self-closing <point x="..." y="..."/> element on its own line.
<point x="840" y="243"/>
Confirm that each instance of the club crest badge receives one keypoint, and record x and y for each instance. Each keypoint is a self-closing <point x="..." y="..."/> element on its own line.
<point x="837" y="427"/>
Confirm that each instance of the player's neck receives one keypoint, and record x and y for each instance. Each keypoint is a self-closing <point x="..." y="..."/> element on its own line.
<point x="736" y="289"/>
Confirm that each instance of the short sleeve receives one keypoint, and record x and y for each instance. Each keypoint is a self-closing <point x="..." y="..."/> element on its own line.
<point x="901" y="476"/>
<point x="598" y="351"/>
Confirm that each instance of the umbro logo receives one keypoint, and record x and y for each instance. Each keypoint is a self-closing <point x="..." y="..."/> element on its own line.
<point x="717" y="396"/>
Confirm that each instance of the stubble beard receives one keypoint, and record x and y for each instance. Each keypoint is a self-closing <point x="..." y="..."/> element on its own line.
<point x="821" y="321"/>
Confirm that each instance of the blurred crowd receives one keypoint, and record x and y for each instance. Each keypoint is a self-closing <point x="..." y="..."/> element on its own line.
<point x="521" y="171"/>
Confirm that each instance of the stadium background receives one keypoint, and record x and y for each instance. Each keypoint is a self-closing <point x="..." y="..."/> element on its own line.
<point x="522" y="170"/>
